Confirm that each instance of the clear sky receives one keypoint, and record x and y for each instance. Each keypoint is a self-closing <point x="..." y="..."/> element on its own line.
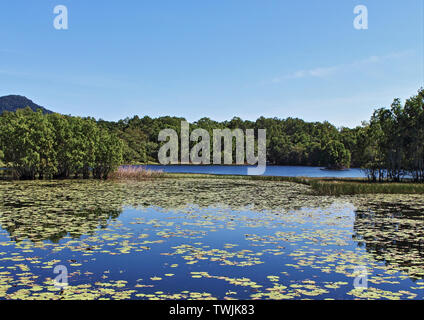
<point x="213" y="58"/>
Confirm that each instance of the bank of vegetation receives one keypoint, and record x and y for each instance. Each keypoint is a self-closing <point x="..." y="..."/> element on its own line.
<point x="389" y="147"/>
<point x="343" y="187"/>
<point x="321" y="186"/>
<point x="37" y="145"/>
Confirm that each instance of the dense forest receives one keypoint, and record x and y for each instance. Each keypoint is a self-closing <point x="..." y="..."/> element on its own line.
<point x="40" y="145"/>
<point x="289" y="141"/>
<point x="390" y="146"/>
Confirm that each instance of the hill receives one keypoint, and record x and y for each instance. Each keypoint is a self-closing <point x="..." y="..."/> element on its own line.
<point x="14" y="102"/>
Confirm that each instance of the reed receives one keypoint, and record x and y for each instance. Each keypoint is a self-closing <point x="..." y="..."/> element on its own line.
<point x="337" y="188"/>
<point x="134" y="173"/>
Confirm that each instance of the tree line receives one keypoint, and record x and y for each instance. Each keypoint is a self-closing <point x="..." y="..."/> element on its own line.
<point x="395" y="141"/>
<point x="41" y="145"/>
<point x="289" y="141"/>
<point x="390" y="146"/>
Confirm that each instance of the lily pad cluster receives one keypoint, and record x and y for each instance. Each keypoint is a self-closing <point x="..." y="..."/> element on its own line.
<point x="206" y="239"/>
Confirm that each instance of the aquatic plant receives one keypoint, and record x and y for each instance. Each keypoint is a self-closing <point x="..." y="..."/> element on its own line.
<point x="206" y="239"/>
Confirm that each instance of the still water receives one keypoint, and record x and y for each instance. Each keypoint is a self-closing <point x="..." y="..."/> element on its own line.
<point x="213" y="239"/>
<point x="281" y="171"/>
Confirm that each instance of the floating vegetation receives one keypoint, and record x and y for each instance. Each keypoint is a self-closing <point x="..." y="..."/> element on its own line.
<point x="206" y="239"/>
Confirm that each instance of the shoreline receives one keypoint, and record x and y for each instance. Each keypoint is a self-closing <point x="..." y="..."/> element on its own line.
<point x="321" y="186"/>
<point x="237" y="165"/>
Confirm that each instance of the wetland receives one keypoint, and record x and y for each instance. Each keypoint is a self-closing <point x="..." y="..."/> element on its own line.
<point x="200" y="238"/>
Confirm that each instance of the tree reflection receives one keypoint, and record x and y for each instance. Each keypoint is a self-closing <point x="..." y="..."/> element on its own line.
<point x="394" y="234"/>
<point x="40" y="226"/>
<point x="51" y="210"/>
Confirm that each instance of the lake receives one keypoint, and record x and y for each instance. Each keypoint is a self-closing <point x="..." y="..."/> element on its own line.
<point x="207" y="239"/>
<point x="281" y="171"/>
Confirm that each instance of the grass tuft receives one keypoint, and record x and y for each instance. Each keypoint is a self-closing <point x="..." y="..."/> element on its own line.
<point x="134" y="173"/>
<point x="337" y="188"/>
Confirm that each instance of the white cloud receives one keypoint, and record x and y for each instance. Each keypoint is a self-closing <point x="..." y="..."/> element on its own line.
<point x="321" y="72"/>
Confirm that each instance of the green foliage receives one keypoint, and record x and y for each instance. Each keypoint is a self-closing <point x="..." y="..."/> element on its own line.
<point x="56" y="146"/>
<point x="1" y="159"/>
<point x="389" y="147"/>
<point x="337" y="155"/>
<point x="289" y="141"/>
<point x="27" y="140"/>
<point x="108" y="154"/>
<point x="136" y="145"/>
<point x="395" y="146"/>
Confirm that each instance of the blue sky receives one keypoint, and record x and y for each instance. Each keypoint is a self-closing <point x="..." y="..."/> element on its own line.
<point x="213" y="58"/>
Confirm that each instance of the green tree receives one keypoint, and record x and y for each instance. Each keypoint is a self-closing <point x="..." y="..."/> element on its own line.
<point x="337" y="156"/>
<point x="56" y="146"/>
<point x="27" y="140"/>
<point x="64" y="144"/>
<point x="1" y="158"/>
<point x="108" y="154"/>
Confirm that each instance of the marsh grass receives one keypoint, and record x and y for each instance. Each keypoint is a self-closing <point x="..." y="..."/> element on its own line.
<point x="134" y="173"/>
<point x="336" y="188"/>
<point x="351" y="186"/>
<point x="324" y="186"/>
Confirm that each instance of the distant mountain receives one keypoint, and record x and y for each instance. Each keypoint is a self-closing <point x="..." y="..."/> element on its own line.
<point x="14" y="102"/>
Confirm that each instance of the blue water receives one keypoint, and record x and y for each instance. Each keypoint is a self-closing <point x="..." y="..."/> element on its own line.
<point x="171" y="251"/>
<point x="280" y="171"/>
